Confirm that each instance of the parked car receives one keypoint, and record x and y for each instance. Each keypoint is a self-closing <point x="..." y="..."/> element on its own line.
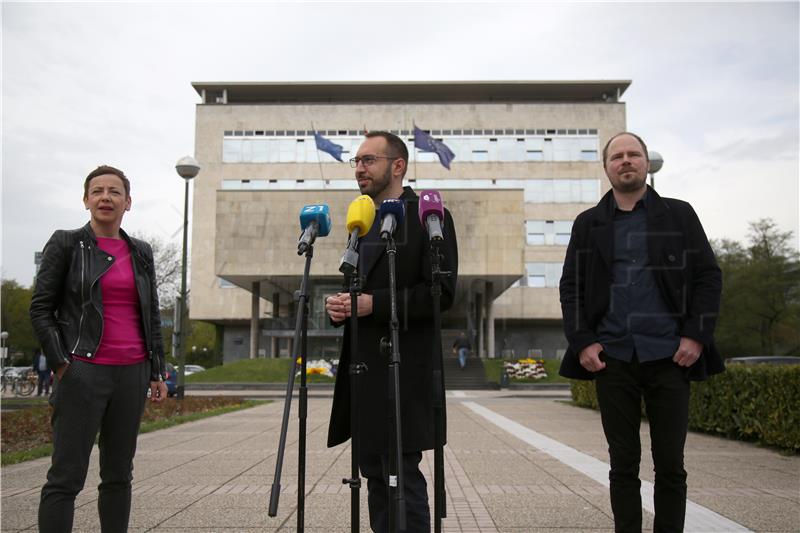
<point x="193" y="369"/>
<point x="765" y="359"/>
<point x="172" y="380"/>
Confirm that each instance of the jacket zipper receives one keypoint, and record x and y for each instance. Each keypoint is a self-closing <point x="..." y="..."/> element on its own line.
<point x="83" y="298"/>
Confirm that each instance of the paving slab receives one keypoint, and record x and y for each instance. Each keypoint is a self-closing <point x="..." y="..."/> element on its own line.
<point x="215" y="475"/>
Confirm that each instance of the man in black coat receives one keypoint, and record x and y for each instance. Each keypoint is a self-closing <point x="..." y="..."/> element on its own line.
<point x="640" y="294"/>
<point x="380" y="164"/>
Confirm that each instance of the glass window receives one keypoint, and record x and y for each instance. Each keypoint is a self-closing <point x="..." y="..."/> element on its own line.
<point x="534" y="155"/>
<point x="231" y="150"/>
<point x="562" y="239"/>
<point x="588" y="155"/>
<point x="480" y="155"/>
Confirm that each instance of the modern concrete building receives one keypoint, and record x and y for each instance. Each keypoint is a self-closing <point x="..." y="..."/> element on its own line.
<point x="527" y="162"/>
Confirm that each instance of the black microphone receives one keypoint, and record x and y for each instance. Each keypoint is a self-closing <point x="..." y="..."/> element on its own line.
<point x="391" y="215"/>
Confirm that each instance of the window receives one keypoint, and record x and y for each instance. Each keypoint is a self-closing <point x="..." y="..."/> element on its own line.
<point x="588" y="155"/>
<point x="540" y="191"/>
<point x="480" y="155"/>
<point x="548" y="232"/>
<point x="534" y="155"/>
<point x="540" y="275"/>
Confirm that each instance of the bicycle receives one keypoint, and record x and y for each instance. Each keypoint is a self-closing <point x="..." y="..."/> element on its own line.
<point x="20" y="385"/>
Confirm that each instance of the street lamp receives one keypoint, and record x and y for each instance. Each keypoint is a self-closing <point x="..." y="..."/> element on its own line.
<point x="187" y="168"/>
<point x="3" y="349"/>
<point x="656" y="162"/>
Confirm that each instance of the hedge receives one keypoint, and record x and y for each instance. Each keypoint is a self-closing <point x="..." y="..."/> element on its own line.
<point x="748" y="402"/>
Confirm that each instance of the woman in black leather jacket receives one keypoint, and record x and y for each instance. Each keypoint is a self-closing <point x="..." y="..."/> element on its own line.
<point x="95" y="311"/>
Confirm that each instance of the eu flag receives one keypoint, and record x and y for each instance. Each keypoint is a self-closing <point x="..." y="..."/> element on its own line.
<point x="335" y="150"/>
<point x="426" y="143"/>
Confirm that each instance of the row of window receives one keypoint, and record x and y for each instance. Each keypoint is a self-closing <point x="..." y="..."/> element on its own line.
<point x="466" y="149"/>
<point x="536" y="191"/>
<point x="404" y="133"/>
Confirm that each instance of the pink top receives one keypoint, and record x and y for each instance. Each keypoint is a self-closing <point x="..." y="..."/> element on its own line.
<point x="122" y="342"/>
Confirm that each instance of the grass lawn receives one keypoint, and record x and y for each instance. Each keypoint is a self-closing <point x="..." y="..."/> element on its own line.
<point x="253" y="371"/>
<point x="26" y="433"/>
<point x="494" y="367"/>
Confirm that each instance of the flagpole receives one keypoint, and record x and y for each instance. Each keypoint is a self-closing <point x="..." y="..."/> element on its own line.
<point x="414" y="125"/>
<point x="319" y="161"/>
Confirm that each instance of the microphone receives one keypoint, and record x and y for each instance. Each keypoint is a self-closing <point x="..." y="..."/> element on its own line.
<point x="391" y="215"/>
<point x="315" y="221"/>
<point x="431" y="213"/>
<point x="360" y="215"/>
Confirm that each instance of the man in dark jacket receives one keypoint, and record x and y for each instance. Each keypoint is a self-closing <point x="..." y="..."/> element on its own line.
<point x="640" y="293"/>
<point x="380" y="165"/>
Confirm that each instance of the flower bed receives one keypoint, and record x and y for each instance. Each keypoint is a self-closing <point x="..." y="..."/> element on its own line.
<point x="525" y="369"/>
<point x="320" y="367"/>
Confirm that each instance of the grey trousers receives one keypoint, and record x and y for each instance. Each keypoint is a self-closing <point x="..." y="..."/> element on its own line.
<point x="91" y="398"/>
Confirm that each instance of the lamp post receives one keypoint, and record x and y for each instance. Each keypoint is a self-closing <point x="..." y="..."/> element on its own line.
<point x="187" y="168"/>
<point x="3" y="349"/>
<point x="656" y="162"/>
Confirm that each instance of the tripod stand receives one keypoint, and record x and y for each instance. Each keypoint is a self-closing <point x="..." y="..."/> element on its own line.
<point x="396" y="482"/>
<point x="299" y="345"/>
<point x="439" y="412"/>
<point x="356" y="369"/>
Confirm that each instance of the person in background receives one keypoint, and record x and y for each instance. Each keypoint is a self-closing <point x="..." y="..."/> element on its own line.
<point x="43" y="373"/>
<point x="95" y="311"/>
<point x="462" y="347"/>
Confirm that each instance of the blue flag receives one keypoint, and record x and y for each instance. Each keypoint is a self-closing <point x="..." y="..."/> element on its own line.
<point x="335" y="150"/>
<point x="426" y="143"/>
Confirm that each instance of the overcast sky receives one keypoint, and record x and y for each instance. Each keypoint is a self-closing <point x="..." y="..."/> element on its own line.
<point x="714" y="90"/>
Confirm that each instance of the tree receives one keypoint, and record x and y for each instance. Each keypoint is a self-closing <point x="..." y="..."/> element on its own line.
<point x="167" y="259"/>
<point x="15" y="318"/>
<point x="760" y="312"/>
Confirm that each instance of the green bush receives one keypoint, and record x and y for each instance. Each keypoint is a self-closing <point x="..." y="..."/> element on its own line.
<point x="747" y="402"/>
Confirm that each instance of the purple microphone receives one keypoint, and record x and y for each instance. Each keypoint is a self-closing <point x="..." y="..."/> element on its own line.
<point x="431" y="213"/>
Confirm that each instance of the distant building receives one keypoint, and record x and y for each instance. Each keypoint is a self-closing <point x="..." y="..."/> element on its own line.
<point x="527" y="162"/>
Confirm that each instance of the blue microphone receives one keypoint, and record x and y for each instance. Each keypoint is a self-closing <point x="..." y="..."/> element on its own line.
<point x="391" y="215"/>
<point x="315" y="221"/>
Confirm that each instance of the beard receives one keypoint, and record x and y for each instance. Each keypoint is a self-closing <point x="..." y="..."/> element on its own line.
<point x="376" y="185"/>
<point x="628" y="185"/>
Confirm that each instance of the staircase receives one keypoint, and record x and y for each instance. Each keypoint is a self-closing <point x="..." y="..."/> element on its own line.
<point x="471" y="378"/>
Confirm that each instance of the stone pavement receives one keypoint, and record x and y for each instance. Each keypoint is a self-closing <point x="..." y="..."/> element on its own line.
<point x="515" y="462"/>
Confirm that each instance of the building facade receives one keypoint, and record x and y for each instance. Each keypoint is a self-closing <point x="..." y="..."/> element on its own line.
<point x="527" y="161"/>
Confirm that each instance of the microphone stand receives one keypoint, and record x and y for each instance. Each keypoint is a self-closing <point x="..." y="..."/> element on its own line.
<point x="299" y="345"/>
<point x="395" y="432"/>
<point x="439" y="413"/>
<point x="356" y="369"/>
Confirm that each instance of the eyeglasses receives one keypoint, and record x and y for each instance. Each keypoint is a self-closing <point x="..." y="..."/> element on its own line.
<point x="368" y="160"/>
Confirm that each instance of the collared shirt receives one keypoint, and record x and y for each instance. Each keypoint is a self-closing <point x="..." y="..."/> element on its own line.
<point x="637" y="320"/>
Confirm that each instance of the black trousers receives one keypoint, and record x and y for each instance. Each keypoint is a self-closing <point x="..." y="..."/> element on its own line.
<point x="89" y="398"/>
<point x="665" y="388"/>
<point x="43" y="383"/>
<point x="375" y="467"/>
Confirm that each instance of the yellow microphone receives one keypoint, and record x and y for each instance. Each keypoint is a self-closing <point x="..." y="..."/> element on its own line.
<point x="360" y="215"/>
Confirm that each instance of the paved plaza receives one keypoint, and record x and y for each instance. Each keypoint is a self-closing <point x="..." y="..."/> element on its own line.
<point x="516" y="462"/>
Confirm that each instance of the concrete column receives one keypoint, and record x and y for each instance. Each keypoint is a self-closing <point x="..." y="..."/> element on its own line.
<point x="275" y="342"/>
<point x="489" y="296"/>
<point x="479" y="323"/>
<point x="255" y="311"/>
